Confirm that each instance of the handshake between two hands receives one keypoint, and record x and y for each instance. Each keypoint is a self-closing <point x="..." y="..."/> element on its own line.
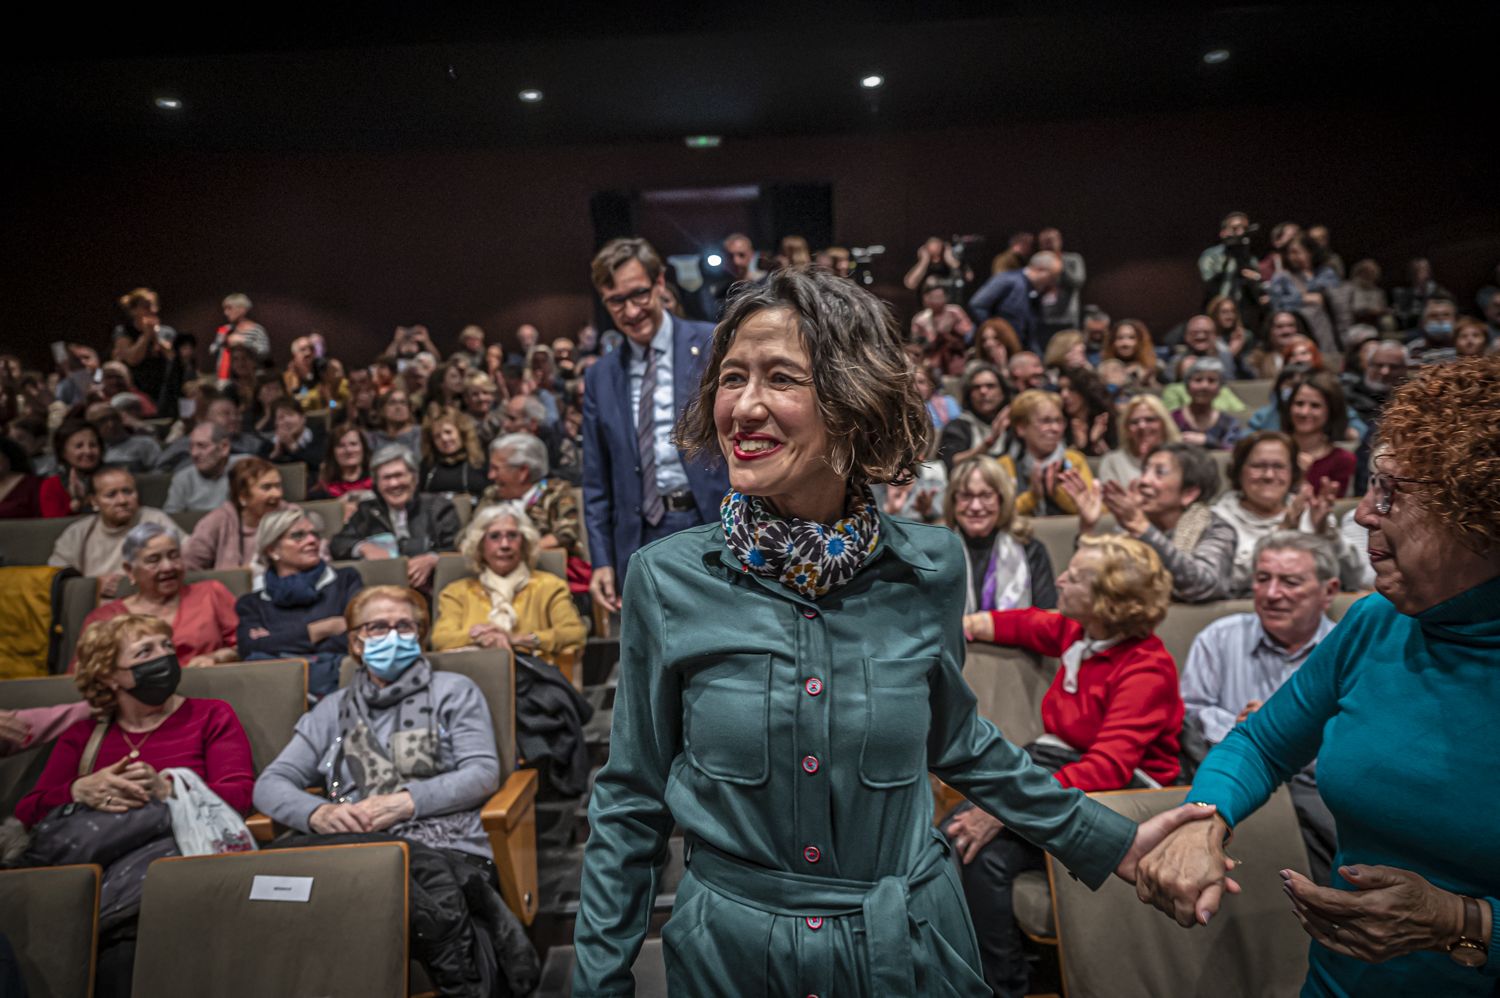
<point x="1178" y="865"/>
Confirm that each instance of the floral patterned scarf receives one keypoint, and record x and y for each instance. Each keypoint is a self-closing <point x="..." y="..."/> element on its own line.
<point x="810" y="558"/>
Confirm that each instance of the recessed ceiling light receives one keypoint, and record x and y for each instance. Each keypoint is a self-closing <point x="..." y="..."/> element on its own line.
<point x="714" y="259"/>
<point x="530" y="96"/>
<point x="169" y="103"/>
<point x="872" y="81"/>
<point x="1215" y="56"/>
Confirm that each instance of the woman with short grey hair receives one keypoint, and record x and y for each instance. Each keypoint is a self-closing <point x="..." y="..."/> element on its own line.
<point x="201" y="614"/>
<point x="399" y="522"/>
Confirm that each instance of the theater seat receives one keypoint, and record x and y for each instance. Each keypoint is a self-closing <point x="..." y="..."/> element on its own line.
<point x="152" y="487"/>
<point x="1254" y="393"/>
<point x="50" y="917"/>
<point x="29" y="541"/>
<point x="201" y="933"/>
<point x="268" y="697"/>
<point x="1059" y="535"/>
<point x="1112" y="945"/>
<point x="509" y="817"/>
<point x="382" y="572"/>
<point x="293" y="481"/>
<point x="1341" y="604"/>
<point x="20" y="771"/>
<point x="1185" y="620"/>
<point x="330" y="512"/>
<point x="1009" y="684"/>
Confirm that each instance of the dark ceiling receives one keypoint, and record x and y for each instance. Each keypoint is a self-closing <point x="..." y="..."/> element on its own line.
<point x="273" y="76"/>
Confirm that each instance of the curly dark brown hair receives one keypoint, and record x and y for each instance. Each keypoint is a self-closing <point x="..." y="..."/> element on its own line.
<point x="1444" y="426"/>
<point x="866" y="387"/>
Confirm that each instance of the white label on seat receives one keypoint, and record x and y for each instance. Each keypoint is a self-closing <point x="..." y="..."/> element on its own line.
<point x="281" y="889"/>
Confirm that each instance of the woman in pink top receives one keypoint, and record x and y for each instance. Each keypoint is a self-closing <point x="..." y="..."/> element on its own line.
<point x="225" y="538"/>
<point x="201" y="614"/>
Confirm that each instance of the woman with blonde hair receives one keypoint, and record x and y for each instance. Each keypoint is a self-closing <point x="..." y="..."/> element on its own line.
<point x="1065" y="349"/>
<point x="452" y="459"/>
<point x="1007" y="567"/>
<point x="1129" y="342"/>
<point x="1039" y="455"/>
<point x="1145" y="423"/>
<point x="1112" y="718"/>
<point x="506" y="604"/>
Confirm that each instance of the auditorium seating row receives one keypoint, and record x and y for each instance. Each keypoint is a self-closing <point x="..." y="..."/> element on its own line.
<point x="51" y="915"/>
<point x="81" y="595"/>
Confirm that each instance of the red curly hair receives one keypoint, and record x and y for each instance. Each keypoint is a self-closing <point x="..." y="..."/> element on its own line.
<point x="1444" y="425"/>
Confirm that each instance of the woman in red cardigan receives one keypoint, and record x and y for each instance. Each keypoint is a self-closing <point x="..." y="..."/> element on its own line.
<point x="1112" y="719"/>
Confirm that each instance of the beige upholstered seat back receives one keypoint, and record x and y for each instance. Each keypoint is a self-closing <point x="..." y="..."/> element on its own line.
<point x="1185" y="620"/>
<point x="1114" y="946"/>
<point x="50" y="916"/>
<point x="19" y="772"/>
<point x="1009" y="685"/>
<point x="293" y="481"/>
<point x="30" y="541"/>
<point x="201" y="934"/>
<point x="268" y="697"/>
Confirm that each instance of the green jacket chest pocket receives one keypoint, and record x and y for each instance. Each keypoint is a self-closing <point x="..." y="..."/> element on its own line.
<point x="726" y="722"/>
<point x="897" y="718"/>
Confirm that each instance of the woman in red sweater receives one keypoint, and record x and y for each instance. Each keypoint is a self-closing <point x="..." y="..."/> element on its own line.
<point x="1112" y="719"/>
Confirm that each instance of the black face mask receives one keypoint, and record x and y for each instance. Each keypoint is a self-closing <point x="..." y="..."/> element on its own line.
<point x="156" y="680"/>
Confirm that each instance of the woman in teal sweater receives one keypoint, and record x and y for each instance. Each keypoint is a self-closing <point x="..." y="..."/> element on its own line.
<point x="1397" y="705"/>
<point x="790" y="676"/>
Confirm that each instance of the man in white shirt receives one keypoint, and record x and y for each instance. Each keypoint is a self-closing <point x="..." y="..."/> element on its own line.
<point x="1238" y="662"/>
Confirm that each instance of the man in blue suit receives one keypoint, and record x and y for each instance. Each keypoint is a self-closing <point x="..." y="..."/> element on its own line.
<point x="637" y="486"/>
<point x="1016" y="297"/>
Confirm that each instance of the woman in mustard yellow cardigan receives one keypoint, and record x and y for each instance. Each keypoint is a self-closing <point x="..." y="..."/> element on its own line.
<point x="507" y="605"/>
<point x="1039" y="456"/>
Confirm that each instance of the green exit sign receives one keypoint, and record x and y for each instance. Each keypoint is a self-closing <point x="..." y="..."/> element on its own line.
<point x="703" y="141"/>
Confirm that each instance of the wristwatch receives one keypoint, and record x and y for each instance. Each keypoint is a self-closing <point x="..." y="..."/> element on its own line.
<point x="1470" y="950"/>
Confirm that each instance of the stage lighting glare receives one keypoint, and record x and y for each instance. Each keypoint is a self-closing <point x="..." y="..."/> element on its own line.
<point x="872" y="81"/>
<point x="530" y="95"/>
<point x="715" y="259"/>
<point x="1215" y="56"/>
<point x="169" y="103"/>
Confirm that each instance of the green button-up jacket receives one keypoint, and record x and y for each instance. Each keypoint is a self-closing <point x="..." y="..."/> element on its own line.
<point x="794" y="737"/>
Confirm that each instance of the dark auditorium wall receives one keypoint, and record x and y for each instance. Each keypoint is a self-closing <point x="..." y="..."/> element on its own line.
<point x="355" y="243"/>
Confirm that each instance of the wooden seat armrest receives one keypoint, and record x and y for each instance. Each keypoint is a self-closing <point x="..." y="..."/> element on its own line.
<point x="512" y="803"/>
<point x="262" y="827"/>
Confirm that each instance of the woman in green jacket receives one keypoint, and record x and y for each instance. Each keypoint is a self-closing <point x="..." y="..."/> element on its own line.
<point x="788" y="678"/>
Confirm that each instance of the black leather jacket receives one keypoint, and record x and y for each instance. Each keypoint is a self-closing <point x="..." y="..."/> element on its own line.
<point x="431" y="523"/>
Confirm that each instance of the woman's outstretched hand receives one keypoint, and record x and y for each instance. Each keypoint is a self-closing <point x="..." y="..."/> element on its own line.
<point x="1181" y="868"/>
<point x="1389" y="913"/>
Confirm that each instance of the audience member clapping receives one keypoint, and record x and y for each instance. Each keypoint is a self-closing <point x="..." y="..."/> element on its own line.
<point x="94" y="544"/>
<point x="981" y="425"/>
<point x="508" y="604"/>
<point x="1266" y="495"/>
<point x="1167" y="507"/>
<point x="1038" y="456"/>
<point x="1007" y="567"/>
<point x="1090" y="414"/>
<point x="201" y="614"/>
<point x="1112" y="719"/>
<point x="296" y="610"/>
<point x="399" y="522"/>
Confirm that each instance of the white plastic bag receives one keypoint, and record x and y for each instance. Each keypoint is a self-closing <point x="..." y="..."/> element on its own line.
<point x="202" y="823"/>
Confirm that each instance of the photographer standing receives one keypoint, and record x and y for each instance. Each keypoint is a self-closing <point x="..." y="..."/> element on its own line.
<point x="1227" y="268"/>
<point x="936" y="258"/>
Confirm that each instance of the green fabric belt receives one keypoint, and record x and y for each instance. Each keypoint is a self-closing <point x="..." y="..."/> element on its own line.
<point x="888" y="926"/>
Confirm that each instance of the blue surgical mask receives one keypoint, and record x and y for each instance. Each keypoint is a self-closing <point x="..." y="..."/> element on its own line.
<point x="1438" y="330"/>
<point x="391" y="655"/>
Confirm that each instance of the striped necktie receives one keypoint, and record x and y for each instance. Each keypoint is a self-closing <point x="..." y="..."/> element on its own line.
<point x="652" y="507"/>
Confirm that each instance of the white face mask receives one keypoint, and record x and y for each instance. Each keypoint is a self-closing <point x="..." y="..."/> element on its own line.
<point x="186" y="408"/>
